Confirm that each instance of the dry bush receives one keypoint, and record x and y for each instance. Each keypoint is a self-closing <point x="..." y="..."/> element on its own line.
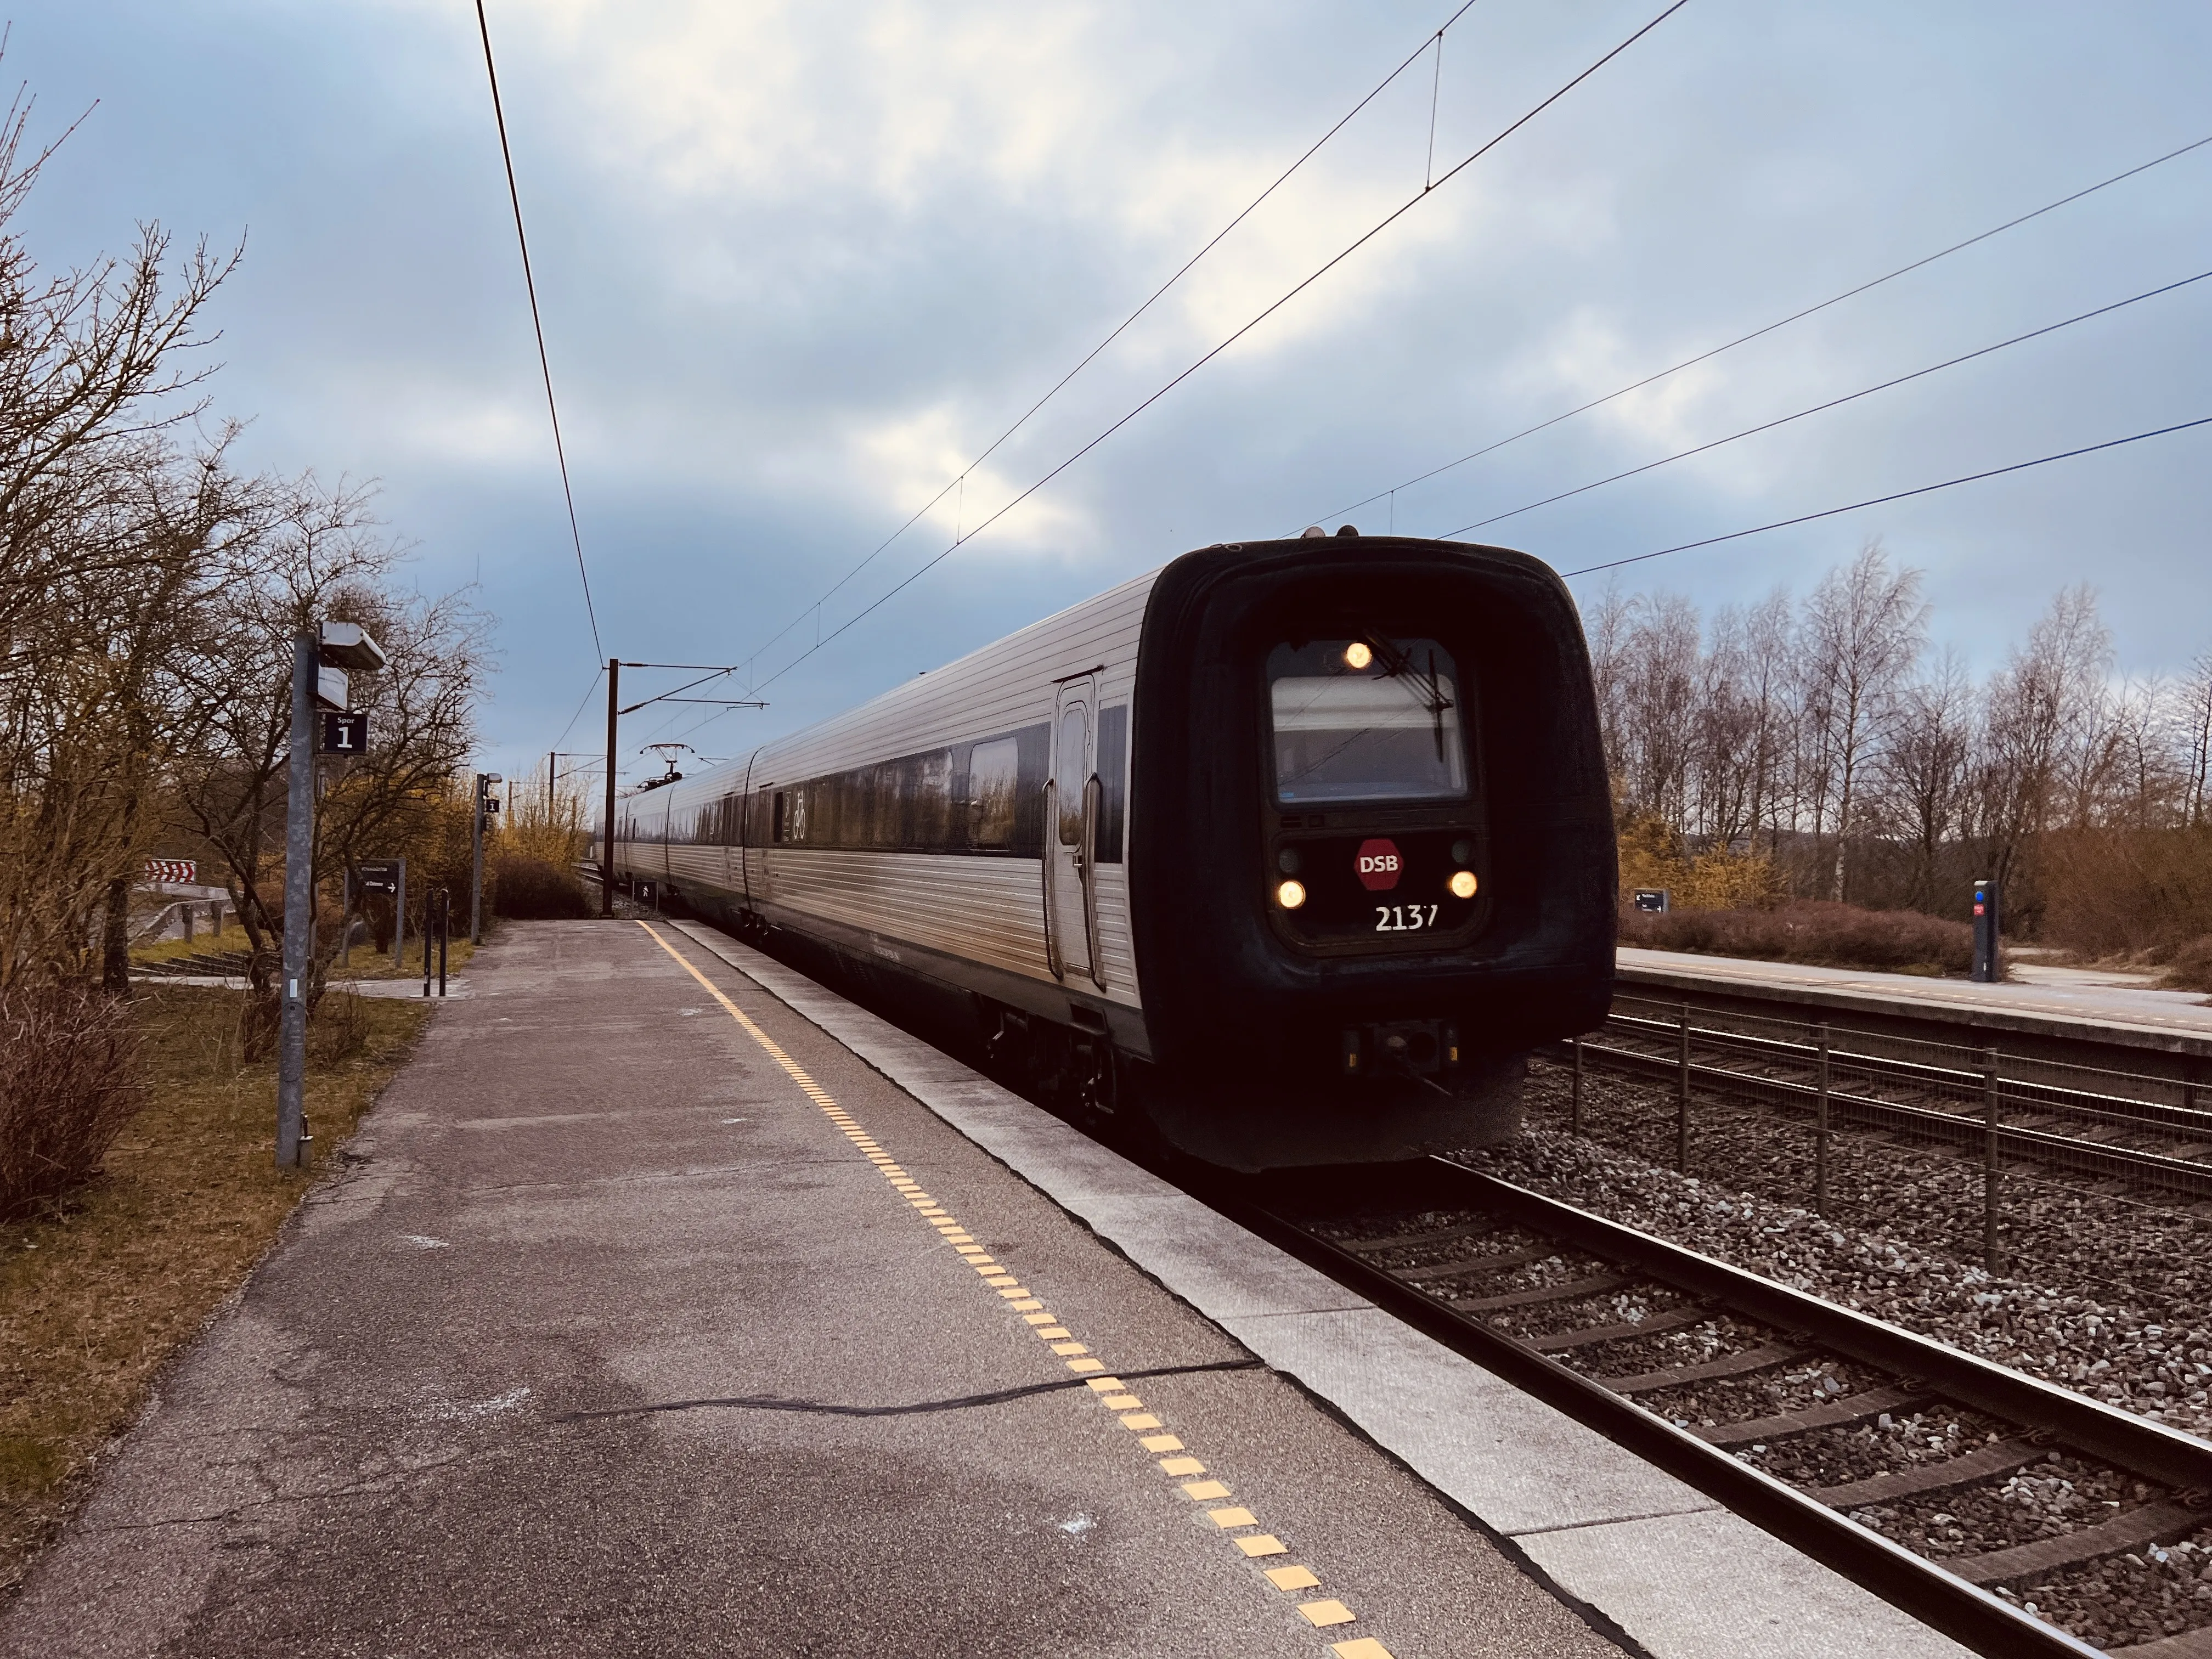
<point x="69" y="1082"/>
<point x="2189" y="967"/>
<point x="2113" y="892"/>
<point x="533" y="889"/>
<point x="339" y="1028"/>
<point x="1652" y="855"/>
<point x="1815" y="931"/>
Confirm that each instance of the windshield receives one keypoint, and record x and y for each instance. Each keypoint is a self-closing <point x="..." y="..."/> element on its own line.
<point x="1367" y="719"/>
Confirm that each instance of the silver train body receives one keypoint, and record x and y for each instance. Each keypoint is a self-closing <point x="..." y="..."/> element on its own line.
<point x="1287" y="853"/>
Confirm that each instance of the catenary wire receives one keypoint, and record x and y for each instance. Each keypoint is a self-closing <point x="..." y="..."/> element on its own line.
<point x="1832" y="403"/>
<point x="537" y="323"/>
<point x="1122" y="327"/>
<point x="1898" y="495"/>
<point x="580" y="707"/>
<point x="1780" y="323"/>
<point x="1292" y="293"/>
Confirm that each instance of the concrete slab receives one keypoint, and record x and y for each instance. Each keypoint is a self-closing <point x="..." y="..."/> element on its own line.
<point x="1653" y="1556"/>
<point x="621" y="1331"/>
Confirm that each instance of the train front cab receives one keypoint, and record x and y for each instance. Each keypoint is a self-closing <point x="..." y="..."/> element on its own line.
<point x="1371" y="851"/>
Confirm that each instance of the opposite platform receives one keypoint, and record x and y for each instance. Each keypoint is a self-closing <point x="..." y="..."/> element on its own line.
<point x="644" y="1317"/>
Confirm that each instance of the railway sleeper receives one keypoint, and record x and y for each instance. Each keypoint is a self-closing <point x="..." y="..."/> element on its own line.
<point x="1491" y="1266"/>
<point x="1980" y="1464"/>
<point x="1572" y="1290"/>
<point x="1591" y="1335"/>
<point x="1851" y="1408"/>
<point x="1739" y="1364"/>
<point x="2148" y="1524"/>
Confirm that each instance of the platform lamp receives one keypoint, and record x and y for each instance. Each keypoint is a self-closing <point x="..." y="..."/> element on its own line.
<point x="321" y="655"/>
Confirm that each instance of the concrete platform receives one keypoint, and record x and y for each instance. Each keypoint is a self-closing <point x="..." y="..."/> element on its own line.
<point x="1650" y="1557"/>
<point x="644" y="1316"/>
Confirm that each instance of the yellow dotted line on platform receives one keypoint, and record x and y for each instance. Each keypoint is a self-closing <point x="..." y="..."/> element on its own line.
<point x="1323" y="1613"/>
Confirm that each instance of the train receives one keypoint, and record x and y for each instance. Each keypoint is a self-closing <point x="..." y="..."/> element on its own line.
<point x="1287" y="853"/>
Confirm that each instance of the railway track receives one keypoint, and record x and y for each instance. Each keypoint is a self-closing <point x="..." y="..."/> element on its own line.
<point x="1678" y="1357"/>
<point x="2148" y="1143"/>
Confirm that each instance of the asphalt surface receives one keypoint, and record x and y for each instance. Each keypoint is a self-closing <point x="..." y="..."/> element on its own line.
<point x="610" y="1338"/>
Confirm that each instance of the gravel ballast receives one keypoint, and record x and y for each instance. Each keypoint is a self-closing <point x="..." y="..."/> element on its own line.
<point x="2067" y="1313"/>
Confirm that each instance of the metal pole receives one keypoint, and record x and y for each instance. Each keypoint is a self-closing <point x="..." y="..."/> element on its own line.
<point x="1682" y="1094"/>
<point x="476" y="879"/>
<point x="1820" y="1134"/>
<point x="429" y="933"/>
<point x="1991" y="1171"/>
<point x="345" y="917"/>
<point x="299" y="906"/>
<point x="607" y="845"/>
<point x="399" y="920"/>
<point x="445" y="933"/>
<point x="1575" y="1099"/>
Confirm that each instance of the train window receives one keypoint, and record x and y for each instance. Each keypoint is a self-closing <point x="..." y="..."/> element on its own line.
<point x="1113" y="779"/>
<point x="1369" y="719"/>
<point x="993" y="773"/>
<point x="1074" y="769"/>
<point x="929" y="806"/>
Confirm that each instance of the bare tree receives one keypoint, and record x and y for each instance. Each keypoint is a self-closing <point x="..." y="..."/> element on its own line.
<point x="2041" y="707"/>
<point x="308" y="554"/>
<point x="1865" y="627"/>
<point x="97" y="556"/>
<point x="1923" y="770"/>
<point x="2192" y="728"/>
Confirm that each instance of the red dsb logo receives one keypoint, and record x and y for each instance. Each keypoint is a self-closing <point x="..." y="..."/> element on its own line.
<point x="1379" y="865"/>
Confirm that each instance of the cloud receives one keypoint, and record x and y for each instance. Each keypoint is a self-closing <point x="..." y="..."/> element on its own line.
<point x="798" y="265"/>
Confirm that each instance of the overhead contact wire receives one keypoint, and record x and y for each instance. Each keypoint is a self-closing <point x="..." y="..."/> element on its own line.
<point x="1898" y="496"/>
<point x="1123" y="327"/>
<point x="1780" y="323"/>
<point x="538" y="325"/>
<point x="1833" y="403"/>
<point x="1350" y="249"/>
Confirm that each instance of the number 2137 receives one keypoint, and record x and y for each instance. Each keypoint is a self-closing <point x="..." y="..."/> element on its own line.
<point x="1404" y="918"/>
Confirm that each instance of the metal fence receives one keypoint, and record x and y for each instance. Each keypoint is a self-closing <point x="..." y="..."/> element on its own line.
<point x="1990" y="1149"/>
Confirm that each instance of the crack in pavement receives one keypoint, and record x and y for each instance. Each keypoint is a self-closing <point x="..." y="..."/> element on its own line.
<point x="772" y="1403"/>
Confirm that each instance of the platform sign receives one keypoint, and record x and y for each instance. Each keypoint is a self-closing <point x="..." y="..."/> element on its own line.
<point x="1380" y="865"/>
<point x="1652" y="900"/>
<point x="345" y="733"/>
<point x="378" y="875"/>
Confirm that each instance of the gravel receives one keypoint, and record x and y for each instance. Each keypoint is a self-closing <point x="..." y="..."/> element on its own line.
<point x="2044" y="1500"/>
<point x="2103" y="1295"/>
<point x="2058" y="1318"/>
<point x="2126" y="1598"/>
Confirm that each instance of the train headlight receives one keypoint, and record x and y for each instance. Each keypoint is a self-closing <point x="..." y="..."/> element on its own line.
<point x="1290" y="894"/>
<point x="1356" y="655"/>
<point x="1463" y="883"/>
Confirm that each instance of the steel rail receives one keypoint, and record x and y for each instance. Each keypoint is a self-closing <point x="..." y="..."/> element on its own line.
<point x="2158" y="1169"/>
<point x="2123" y="1110"/>
<point x="1970" y="1615"/>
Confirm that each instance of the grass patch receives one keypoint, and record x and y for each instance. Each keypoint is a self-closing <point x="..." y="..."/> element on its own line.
<point x="204" y="943"/>
<point x="95" y="1298"/>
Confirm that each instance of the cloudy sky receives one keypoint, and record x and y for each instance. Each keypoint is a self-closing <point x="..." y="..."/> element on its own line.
<point x="799" y="264"/>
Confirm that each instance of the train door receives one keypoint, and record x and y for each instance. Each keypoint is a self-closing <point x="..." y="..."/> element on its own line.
<point x="1071" y="831"/>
